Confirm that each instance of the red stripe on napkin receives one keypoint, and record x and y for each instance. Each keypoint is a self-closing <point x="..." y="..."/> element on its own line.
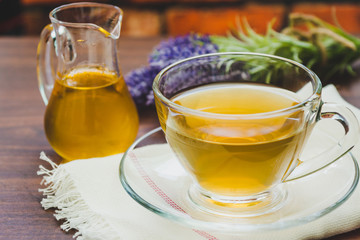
<point x="163" y="195"/>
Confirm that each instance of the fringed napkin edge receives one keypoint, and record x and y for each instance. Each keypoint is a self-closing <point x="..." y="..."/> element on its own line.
<point x="61" y="193"/>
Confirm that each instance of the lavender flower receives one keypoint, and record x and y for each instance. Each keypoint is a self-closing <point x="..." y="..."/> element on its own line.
<point x="167" y="52"/>
<point x="139" y="82"/>
<point x="175" y="49"/>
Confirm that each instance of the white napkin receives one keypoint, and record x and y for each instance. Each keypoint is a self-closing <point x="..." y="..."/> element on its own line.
<point x="88" y="195"/>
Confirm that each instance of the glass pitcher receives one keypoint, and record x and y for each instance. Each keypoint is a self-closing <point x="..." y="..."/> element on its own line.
<point x="90" y="112"/>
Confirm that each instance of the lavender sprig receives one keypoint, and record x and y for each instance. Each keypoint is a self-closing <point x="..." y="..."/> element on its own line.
<point x="175" y="49"/>
<point x="139" y="82"/>
<point x="167" y="52"/>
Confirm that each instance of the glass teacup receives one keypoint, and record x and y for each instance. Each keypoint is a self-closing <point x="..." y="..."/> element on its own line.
<point x="238" y="123"/>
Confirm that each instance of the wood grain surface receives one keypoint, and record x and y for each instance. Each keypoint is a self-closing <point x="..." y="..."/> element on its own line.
<point x="22" y="137"/>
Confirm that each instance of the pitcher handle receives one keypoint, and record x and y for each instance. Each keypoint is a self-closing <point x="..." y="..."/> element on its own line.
<point x="46" y="52"/>
<point x="349" y="122"/>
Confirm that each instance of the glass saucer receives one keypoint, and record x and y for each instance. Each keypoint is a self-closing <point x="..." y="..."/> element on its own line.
<point x="152" y="176"/>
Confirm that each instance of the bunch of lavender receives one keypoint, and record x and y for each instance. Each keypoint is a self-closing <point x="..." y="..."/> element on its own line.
<point x="322" y="47"/>
<point x="167" y="52"/>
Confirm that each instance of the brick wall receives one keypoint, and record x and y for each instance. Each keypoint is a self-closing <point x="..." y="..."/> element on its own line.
<point x="176" y="17"/>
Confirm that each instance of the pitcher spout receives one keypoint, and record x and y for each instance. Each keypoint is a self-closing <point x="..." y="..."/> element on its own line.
<point x="112" y="26"/>
<point x="101" y="17"/>
<point x="86" y="35"/>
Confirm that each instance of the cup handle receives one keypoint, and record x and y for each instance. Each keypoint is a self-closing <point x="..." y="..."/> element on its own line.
<point x="349" y="122"/>
<point x="46" y="53"/>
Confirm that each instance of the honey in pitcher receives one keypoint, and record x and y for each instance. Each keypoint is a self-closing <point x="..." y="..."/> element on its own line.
<point x="237" y="155"/>
<point x="90" y="114"/>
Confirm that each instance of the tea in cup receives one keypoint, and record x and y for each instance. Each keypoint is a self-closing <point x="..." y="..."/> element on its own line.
<point x="238" y="122"/>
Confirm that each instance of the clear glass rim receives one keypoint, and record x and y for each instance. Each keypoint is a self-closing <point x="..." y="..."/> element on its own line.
<point x="80" y="5"/>
<point x="316" y="83"/>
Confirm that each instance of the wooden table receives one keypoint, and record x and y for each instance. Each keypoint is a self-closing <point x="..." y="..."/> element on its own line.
<point x="22" y="137"/>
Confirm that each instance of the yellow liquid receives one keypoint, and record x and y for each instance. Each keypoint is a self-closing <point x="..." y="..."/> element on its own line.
<point x="236" y="157"/>
<point x="90" y="114"/>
